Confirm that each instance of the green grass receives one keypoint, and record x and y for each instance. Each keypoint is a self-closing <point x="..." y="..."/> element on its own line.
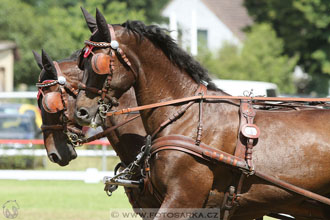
<point x="82" y="163"/>
<point x="61" y="200"/>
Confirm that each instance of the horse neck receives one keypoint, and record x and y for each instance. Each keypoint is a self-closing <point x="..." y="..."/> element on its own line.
<point x="160" y="80"/>
<point x="128" y="139"/>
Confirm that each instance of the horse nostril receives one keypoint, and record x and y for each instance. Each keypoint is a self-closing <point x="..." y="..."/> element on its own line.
<point x="82" y="113"/>
<point x="54" y="158"/>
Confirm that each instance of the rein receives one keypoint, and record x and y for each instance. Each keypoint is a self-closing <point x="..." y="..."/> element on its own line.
<point x="108" y="130"/>
<point x="213" y="97"/>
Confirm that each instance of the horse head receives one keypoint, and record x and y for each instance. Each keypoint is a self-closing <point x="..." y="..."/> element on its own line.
<point x="56" y="102"/>
<point x="108" y="72"/>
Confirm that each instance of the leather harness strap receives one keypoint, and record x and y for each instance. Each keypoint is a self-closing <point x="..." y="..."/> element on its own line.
<point x="213" y="97"/>
<point x="293" y="188"/>
<point x="243" y="150"/>
<point x="243" y="153"/>
<point x="51" y="127"/>
<point x="242" y="159"/>
<point x="108" y="130"/>
<point x="203" y="151"/>
<point x="245" y="143"/>
<point x="82" y="86"/>
<point x="200" y="90"/>
<point x="207" y="153"/>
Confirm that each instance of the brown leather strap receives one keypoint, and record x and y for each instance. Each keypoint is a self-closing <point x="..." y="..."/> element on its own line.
<point x="213" y="97"/>
<point x="240" y="147"/>
<point x="58" y="69"/>
<point x="82" y="86"/>
<point x="75" y="130"/>
<point x="200" y="90"/>
<point x="108" y="130"/>
<point x="112" y="32"/>
<point x="174" y="117"/>
<point x="293" y="188"/>
<point x="64" y="101"/>
<point x="51" y="127"/>
<point x="186" y="144"/>
<point x="245" y="144"/>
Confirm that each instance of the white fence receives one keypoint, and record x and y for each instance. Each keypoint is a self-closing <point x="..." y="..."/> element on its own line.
<point x="42" y="152"/>
<point x="91" y="175"/>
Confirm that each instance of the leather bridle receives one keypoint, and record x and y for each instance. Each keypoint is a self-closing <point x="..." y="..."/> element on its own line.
<point x="115" y="50"/>
<point x="74" y="134"/>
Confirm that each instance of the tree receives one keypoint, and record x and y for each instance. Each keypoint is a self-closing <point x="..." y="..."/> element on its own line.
<point x="304" y="26"/>
<point x="152" y="9"/>
<point x="56" y="26"/>
<point x="260" y="58"/>
<point x="17" y="23"/>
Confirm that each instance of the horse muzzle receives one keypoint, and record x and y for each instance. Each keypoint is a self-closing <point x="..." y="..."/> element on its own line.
<point x="63" y="158"/>
<point x="85" y="118"/>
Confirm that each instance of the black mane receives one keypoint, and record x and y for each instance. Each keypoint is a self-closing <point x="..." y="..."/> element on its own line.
<point x="73" y="57"/>
<point x="159" y="37"/>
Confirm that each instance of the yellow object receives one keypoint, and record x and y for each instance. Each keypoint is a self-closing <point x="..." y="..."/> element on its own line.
<point x="29" y="107"/>
<point x="11" y="124"/>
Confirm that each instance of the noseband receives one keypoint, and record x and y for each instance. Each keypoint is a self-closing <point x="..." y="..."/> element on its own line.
<point x="54" y="102"/>
<point x="103" y="64"/>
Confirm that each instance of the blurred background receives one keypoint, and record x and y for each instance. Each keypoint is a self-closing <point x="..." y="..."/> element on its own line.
<point x="276" y="48"/>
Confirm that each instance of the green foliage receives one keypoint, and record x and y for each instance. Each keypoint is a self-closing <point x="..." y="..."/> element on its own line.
<point x="56" y="26"/>
<point x="20" y="162"/>
<point x="304" y="26"/>
<point x="260" y="59"/>
<point x="151" y="8"/>
<point x="17" y="23"/>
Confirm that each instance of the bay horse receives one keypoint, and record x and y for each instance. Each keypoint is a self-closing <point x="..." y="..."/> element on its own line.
<point x="59" y="149"/>
<point x="293" y="145"/>
<point x="126" y="140"/>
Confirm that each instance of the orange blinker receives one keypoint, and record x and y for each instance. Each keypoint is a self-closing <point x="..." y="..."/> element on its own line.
<point x="101" y="63"/>
<point x="52" y="102"/>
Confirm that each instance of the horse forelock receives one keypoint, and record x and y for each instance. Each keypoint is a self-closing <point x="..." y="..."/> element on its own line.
<point x="160" y="38"/>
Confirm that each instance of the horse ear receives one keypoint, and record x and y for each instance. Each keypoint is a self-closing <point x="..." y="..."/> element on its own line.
<point x="91" y="22"/>
<point x="48" y="65"/>
<point x="37" y="57"/>
<point x="102" y="25"/>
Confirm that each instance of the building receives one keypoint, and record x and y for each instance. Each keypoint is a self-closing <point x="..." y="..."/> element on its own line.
<point x="7" y="56"/>
<point x="207" y="22"/>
